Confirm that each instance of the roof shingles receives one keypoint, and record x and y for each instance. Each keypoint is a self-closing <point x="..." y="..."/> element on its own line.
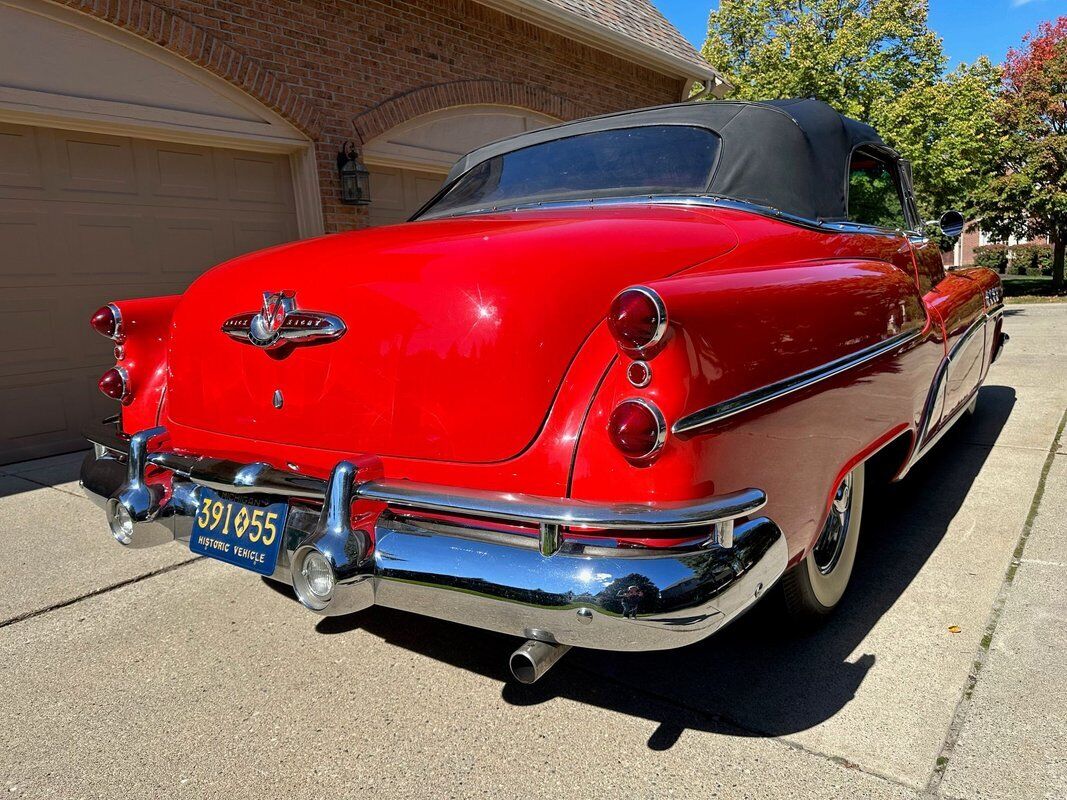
<point x="635" y="19"/>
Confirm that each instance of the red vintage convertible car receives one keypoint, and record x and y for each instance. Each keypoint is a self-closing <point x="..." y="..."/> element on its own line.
<point x="617" y="379"/>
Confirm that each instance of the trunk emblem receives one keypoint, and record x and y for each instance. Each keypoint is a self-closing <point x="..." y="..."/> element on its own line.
<point x="280" y="322"/>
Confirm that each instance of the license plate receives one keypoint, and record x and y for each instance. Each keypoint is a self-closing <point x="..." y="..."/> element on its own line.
<point x="243" y="533"/>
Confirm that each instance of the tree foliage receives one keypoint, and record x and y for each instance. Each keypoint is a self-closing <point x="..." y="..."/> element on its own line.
<point x="1028" y="196"/>
<point x="852" y="54"/>
<point x="876" y="61"/>
<point x="948" y="130"/>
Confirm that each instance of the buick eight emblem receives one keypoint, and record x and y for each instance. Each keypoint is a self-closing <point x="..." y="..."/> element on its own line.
<point x="280" y="322"/>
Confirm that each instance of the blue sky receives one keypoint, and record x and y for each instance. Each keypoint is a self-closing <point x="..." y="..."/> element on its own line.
<point x="970" y="28"/>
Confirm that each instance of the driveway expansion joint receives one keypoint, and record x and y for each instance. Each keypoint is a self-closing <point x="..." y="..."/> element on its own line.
<point x="959" y="717"/>
<point x="37" y="612"/>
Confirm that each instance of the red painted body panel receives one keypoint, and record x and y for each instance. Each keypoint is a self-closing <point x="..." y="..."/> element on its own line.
<point x="144" y="333"/>
<point x="477" y="354"/>
<point x="456" y="328"/>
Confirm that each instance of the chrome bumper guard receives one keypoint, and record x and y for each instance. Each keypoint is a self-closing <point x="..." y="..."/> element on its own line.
<point x="586" y="592"/>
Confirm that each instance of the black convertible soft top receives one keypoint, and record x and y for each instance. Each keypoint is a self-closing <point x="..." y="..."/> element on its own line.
<point x="790" y="155"/>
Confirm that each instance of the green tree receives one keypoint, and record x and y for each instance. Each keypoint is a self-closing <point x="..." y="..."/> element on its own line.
<point x="948" y="130"/>
<point x="1028" y="197"/>
<point x="852" y="54"/>
<point x="873" y="60"/>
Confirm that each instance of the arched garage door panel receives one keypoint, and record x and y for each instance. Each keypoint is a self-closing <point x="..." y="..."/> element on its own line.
<point x="397" y="193"/>
<point x="87" y="218"/>
<point x="408" y="164"/>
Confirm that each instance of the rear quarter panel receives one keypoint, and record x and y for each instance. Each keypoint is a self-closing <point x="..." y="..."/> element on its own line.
<point x="754" y="322"/>
<point x="958" y="303"/>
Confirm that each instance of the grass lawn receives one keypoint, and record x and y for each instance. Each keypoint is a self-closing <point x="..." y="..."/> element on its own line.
<point x="1025" y="289"/>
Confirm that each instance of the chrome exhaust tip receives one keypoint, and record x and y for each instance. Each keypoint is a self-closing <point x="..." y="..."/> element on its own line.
<point x="530" y="662"/>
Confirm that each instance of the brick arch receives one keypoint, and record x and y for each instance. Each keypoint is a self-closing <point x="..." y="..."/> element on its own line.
<point x="200" y="47"/>
<point x="415" y="102"/>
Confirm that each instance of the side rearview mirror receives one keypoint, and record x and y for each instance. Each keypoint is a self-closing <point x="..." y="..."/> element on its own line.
<point x="951" y="223"/>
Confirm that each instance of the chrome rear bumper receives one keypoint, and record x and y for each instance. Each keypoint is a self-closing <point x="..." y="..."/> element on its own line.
<point x="555" y="587"/>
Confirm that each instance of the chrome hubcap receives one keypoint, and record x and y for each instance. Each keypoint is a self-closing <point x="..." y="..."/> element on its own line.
<point x="831" y="543"/>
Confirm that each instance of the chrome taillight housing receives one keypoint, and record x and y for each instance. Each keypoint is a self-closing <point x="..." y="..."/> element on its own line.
<point x="107" y="321"/>
<point x="637" y="320"/>
<point x="115" y="383"/>
<point x="638" y="429"/>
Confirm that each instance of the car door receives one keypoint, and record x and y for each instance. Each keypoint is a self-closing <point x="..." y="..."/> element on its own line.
<point x="956" y="300"/>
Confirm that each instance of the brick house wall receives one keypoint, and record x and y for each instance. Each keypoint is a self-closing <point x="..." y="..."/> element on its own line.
<point x="340" y="70"/>
<point x="963" y="253"/>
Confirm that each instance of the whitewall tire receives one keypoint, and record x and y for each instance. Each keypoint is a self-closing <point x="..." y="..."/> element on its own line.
<point x="814" y="587"/>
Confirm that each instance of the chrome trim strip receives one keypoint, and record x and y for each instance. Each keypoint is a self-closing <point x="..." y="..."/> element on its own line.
<point x="936" y="398"/>
<point x="667" y="515"/>
<point x="945" y="427"/>
<point x="260" y="478"/>
<point x="775" y="391"/>
<point x="965" y="337"/>
<point x="708" y="201"/>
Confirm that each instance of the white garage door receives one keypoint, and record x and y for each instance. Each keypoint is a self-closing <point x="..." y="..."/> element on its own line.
<point x="397" y="193"/>
<point x="408" y="164"/>
<point x="88" y="218"/>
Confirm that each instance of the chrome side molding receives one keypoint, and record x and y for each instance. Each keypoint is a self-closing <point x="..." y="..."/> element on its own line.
<point x="933" y="424"/>
<point x="775" y="391"/>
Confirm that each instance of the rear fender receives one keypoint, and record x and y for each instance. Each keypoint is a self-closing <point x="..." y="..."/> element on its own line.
<point x="144" y="333"/>
<point x="735" y="333"/>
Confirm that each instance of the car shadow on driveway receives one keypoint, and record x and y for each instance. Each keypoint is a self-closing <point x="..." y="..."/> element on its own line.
<point x="759" y="677"/>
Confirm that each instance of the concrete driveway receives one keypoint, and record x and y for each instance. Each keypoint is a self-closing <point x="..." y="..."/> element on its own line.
<point x="154" y="674"/>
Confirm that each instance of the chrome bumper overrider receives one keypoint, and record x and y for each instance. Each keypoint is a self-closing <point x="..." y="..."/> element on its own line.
<point x="553" y="588"/>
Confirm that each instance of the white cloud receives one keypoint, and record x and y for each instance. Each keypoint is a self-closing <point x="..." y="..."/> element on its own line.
<point x="1017" y="3"/>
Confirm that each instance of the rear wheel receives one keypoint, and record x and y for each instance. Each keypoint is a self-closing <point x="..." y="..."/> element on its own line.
<point x="816" y="585"/>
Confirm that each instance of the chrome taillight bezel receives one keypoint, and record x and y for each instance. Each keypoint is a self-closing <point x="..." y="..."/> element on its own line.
<point x="124" y="376"/>
<point x="642" y="351"/>
<point x="639" y="374"/>
<point x="117" y="335"/>
<point x="661" y="429"/>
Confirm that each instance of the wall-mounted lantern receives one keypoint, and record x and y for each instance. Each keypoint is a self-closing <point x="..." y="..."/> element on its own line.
<point x="354" y="177"/>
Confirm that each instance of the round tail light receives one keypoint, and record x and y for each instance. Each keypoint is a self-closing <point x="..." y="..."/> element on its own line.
<point x="115" y="384"/>
<point x="107" y="321"/>
<point x="637" y="428"/>
<point x="637" y="319"/>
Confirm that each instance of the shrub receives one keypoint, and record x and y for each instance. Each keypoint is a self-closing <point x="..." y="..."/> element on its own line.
<point x="992" y="256"/>
<point x="1031" y="259"/>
